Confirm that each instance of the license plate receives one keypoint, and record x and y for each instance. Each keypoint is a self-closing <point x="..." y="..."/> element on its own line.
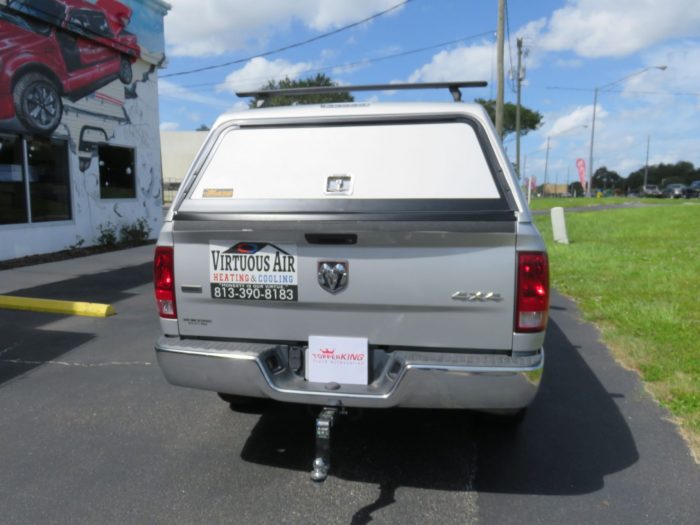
<point x="342" y="360"/>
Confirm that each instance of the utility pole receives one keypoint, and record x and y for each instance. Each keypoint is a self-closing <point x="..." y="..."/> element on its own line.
<point x="590" y="155"/>
<point x="546" y="162"/>
<point x="595" y="104"/>
<point x="646" y="164"/>
<point x="517" y="106"/>
<point x="500" y="36"/>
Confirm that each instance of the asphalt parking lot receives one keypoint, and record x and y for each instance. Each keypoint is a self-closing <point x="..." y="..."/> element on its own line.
<point x="90" y="432"/>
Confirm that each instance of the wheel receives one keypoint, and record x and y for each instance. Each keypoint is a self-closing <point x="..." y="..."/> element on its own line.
<point x="126" y="74"/>
<point x="38" y="104"/>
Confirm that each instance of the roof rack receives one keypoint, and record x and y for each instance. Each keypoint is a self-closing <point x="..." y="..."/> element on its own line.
<point x="316" y="90"/>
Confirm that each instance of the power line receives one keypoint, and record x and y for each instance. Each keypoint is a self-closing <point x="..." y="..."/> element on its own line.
<point x="290" y="46"/>
<point x="365" y="61"/>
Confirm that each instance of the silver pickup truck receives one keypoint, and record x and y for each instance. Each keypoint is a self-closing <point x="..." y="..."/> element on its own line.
<point x="354" y="255"/>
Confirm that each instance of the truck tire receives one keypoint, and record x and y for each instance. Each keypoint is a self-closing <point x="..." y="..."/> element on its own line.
<point x="37" y="102"/>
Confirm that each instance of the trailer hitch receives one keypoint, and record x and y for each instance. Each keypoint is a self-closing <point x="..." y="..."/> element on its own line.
<point x="324" y="423"/>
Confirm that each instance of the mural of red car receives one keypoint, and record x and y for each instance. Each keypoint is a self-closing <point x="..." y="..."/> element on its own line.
<point x="51" y="49"/>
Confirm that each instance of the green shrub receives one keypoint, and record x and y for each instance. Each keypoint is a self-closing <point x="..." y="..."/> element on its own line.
<point x="108" y="234"/>
<point x="79" y="241"/>
<point x="136" y="232"/>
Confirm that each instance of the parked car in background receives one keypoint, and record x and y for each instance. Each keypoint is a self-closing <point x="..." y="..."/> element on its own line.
<point x="693" y="190"/>
<point x="651" y="190"/>
<point x="675" y="191"/>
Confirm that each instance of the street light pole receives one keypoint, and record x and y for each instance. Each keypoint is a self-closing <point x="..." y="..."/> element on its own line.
<point x="595" y="104"/>
<point x="590" y="153"/>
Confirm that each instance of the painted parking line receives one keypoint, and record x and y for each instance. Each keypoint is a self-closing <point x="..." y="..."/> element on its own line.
<point x="56" y="307"/>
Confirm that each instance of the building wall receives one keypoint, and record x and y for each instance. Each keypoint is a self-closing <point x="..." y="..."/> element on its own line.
<point x="115" y="114"/>
<point x="178" y="151"/>
<point x="555" y="189"/>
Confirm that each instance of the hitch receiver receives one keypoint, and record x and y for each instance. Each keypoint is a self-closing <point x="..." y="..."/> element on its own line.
<point x="324" y="423"/>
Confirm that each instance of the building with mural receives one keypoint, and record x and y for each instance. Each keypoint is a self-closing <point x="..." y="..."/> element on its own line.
<point x="79" y="137"/>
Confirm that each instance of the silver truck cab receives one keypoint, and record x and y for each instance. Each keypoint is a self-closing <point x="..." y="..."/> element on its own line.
<point x="354" y="255"/>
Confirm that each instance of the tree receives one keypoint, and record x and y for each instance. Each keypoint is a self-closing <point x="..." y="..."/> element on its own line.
<point x="575" y="188"/>
<point x="663" y="174"/>
<point x="203" y="127"/>
<point x="319" y="80"/>
<point x="529" y="119"/>
<point x="604" y="179"/>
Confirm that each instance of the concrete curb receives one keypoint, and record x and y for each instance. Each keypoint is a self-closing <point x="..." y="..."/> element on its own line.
<point x="56" y="307"/>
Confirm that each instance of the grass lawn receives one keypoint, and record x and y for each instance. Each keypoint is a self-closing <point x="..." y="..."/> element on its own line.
<point x="635" y="273"/>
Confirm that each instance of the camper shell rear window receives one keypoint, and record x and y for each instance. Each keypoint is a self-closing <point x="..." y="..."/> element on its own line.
<point x="404" y="166"/>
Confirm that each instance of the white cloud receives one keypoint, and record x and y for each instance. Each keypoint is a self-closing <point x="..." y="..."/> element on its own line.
<point x="168" y="89"/>
<point x="570" y="63"/>
<point x="241" y="105"/>
<point x="464" y="63"/>
<point x="258" y="71"/>
<point x="601" y="28"/>
<point x="575" y="120"/>
<point x="196" y="28"/>
<point x="169" y="126"/>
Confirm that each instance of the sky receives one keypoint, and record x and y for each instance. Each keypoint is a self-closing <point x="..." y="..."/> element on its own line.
<point x="571" y="47"/>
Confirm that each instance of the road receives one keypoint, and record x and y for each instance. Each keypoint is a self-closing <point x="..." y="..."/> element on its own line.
<point x="90" y="432"/>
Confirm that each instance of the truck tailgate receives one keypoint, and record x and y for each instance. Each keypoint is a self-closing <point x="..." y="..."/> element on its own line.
<point x="442" y="285"/>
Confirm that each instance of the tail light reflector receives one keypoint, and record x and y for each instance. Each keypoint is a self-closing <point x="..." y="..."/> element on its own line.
<point x="533" y="292"/>
<point x="164" y="281"/>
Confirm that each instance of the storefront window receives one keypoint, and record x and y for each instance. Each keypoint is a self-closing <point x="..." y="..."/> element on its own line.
<point x="46" y="192"/>
<point x="13" y="202"/>
<point x="48" y="180"/>
<point x="117" y="172"/>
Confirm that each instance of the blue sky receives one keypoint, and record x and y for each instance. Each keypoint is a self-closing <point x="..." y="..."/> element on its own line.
<point x="572" y="46"/>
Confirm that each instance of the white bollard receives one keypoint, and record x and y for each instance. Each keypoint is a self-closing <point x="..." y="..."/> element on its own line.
<point x="559" y="225"/>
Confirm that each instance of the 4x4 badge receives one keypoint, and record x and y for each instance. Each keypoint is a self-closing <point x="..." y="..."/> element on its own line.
<point x="333" y="275"/>
<point x="477" y="296"/>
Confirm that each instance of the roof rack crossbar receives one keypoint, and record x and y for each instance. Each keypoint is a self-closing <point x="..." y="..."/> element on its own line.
<point x="453" y="87"/>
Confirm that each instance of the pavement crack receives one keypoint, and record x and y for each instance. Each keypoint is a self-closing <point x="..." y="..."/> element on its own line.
<point x="76" y="364"/>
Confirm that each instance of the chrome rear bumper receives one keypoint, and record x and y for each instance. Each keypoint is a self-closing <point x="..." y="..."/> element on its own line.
<point x="401" y="378"/>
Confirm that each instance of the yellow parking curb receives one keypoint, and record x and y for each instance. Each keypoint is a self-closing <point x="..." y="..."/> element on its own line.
<point x="56" y="307"/>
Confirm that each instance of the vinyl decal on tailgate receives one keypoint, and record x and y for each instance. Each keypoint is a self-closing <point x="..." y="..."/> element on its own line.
<point x="253" y="271"/>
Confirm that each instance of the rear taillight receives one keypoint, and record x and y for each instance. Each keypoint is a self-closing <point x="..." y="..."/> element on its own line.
<point x="164" y="281"/>
<point x="533" y="292"/>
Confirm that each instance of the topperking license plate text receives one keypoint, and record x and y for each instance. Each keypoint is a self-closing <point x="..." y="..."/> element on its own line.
<point x="253" y="271"/>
